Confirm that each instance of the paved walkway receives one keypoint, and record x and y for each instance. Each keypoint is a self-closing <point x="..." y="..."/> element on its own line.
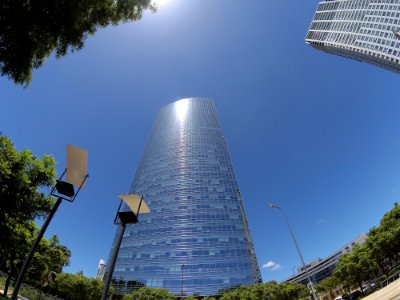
<point x="389" y="292"/>
<point x="8" y="294"/>
<point x="2" y="291"/>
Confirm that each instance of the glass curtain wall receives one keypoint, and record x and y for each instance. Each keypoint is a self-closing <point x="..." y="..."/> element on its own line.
<point x="196" y="239"/>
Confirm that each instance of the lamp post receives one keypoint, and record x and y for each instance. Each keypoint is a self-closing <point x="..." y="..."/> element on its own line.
<point x="137" y="205"/>
<point x="314" y="295"/>
<point x="182" y="281"/>
<point x="64" y="190"/>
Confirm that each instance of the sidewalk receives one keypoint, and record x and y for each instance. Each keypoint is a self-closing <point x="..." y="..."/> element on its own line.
<point x="10" y="292"/>
<point x="389" y="292"/>
<point x="2" y="291"/>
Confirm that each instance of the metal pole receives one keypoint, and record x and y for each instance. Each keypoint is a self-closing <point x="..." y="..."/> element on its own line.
<point x="182" y="280"/>
<point x="140" y="204"/>
<point x="28" y="259"/>
<point x="113" y="259"/>
<point x="314" y="295"/>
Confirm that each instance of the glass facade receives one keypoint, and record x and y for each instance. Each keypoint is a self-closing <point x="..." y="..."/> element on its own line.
<point x="196" y="239"/>
<point x="366" y="30"/>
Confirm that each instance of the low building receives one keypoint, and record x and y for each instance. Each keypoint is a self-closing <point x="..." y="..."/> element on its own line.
<point x="322" y="268"/>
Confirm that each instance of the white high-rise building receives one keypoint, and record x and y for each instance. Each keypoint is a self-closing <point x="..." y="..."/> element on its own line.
<point x="365" y="30"/>
<point x="101" y="269"/>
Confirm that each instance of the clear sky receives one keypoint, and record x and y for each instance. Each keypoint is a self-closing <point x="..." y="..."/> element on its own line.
<point x="314" y="133"/>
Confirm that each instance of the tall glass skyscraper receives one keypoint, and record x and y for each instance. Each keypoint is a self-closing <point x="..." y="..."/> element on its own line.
<point x="365" y="30"/>
<point x="196" y="239"/>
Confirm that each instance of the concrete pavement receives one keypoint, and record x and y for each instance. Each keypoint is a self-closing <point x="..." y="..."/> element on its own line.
<point x="389" y="292"/>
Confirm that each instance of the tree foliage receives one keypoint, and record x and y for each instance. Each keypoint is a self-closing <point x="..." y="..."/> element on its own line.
<point x="384" y="240"/>
<point x="270" y="290"/>
<point x="356" y="267"/>
<point x="22" y="174"/>
<point x="47" y="262"/>
<point x="328" y="285"/>
<point x="379" y="254"/>
<point x="22" y="238"/>
<point x="30" y="31"/>
<point x="145" y="293"/>
<point x="77" y="287"/>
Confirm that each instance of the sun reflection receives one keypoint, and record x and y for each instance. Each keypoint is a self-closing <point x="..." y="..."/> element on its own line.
<point x="181" y="108"/>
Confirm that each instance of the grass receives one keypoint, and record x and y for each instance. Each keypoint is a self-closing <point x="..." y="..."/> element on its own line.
<point x="32" y="294"/>
<point x="2" y="282"/>
<point x="2" y="285"/>
<point x="27" y="293"/>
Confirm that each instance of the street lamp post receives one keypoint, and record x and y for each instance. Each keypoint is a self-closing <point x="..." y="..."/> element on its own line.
<point x="76" y="175"/>
<point x="182" y="281"/>
<point x="314" y="295"/>
<point x="136" y="205"/>
<point x="182" y="292"/>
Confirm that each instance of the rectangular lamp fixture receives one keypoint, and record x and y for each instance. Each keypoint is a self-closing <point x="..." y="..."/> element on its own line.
<point x="133" y="201"/>
<point x="76" y="165"/>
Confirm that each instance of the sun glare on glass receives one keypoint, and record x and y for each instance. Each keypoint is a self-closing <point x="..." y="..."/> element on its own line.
<point x="181" y="109"/>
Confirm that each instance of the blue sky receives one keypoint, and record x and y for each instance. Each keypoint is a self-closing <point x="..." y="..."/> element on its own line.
<point x="314" y="133"/>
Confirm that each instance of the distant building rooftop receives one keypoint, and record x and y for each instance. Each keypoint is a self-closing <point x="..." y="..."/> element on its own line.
<point x="322" y="268"/>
